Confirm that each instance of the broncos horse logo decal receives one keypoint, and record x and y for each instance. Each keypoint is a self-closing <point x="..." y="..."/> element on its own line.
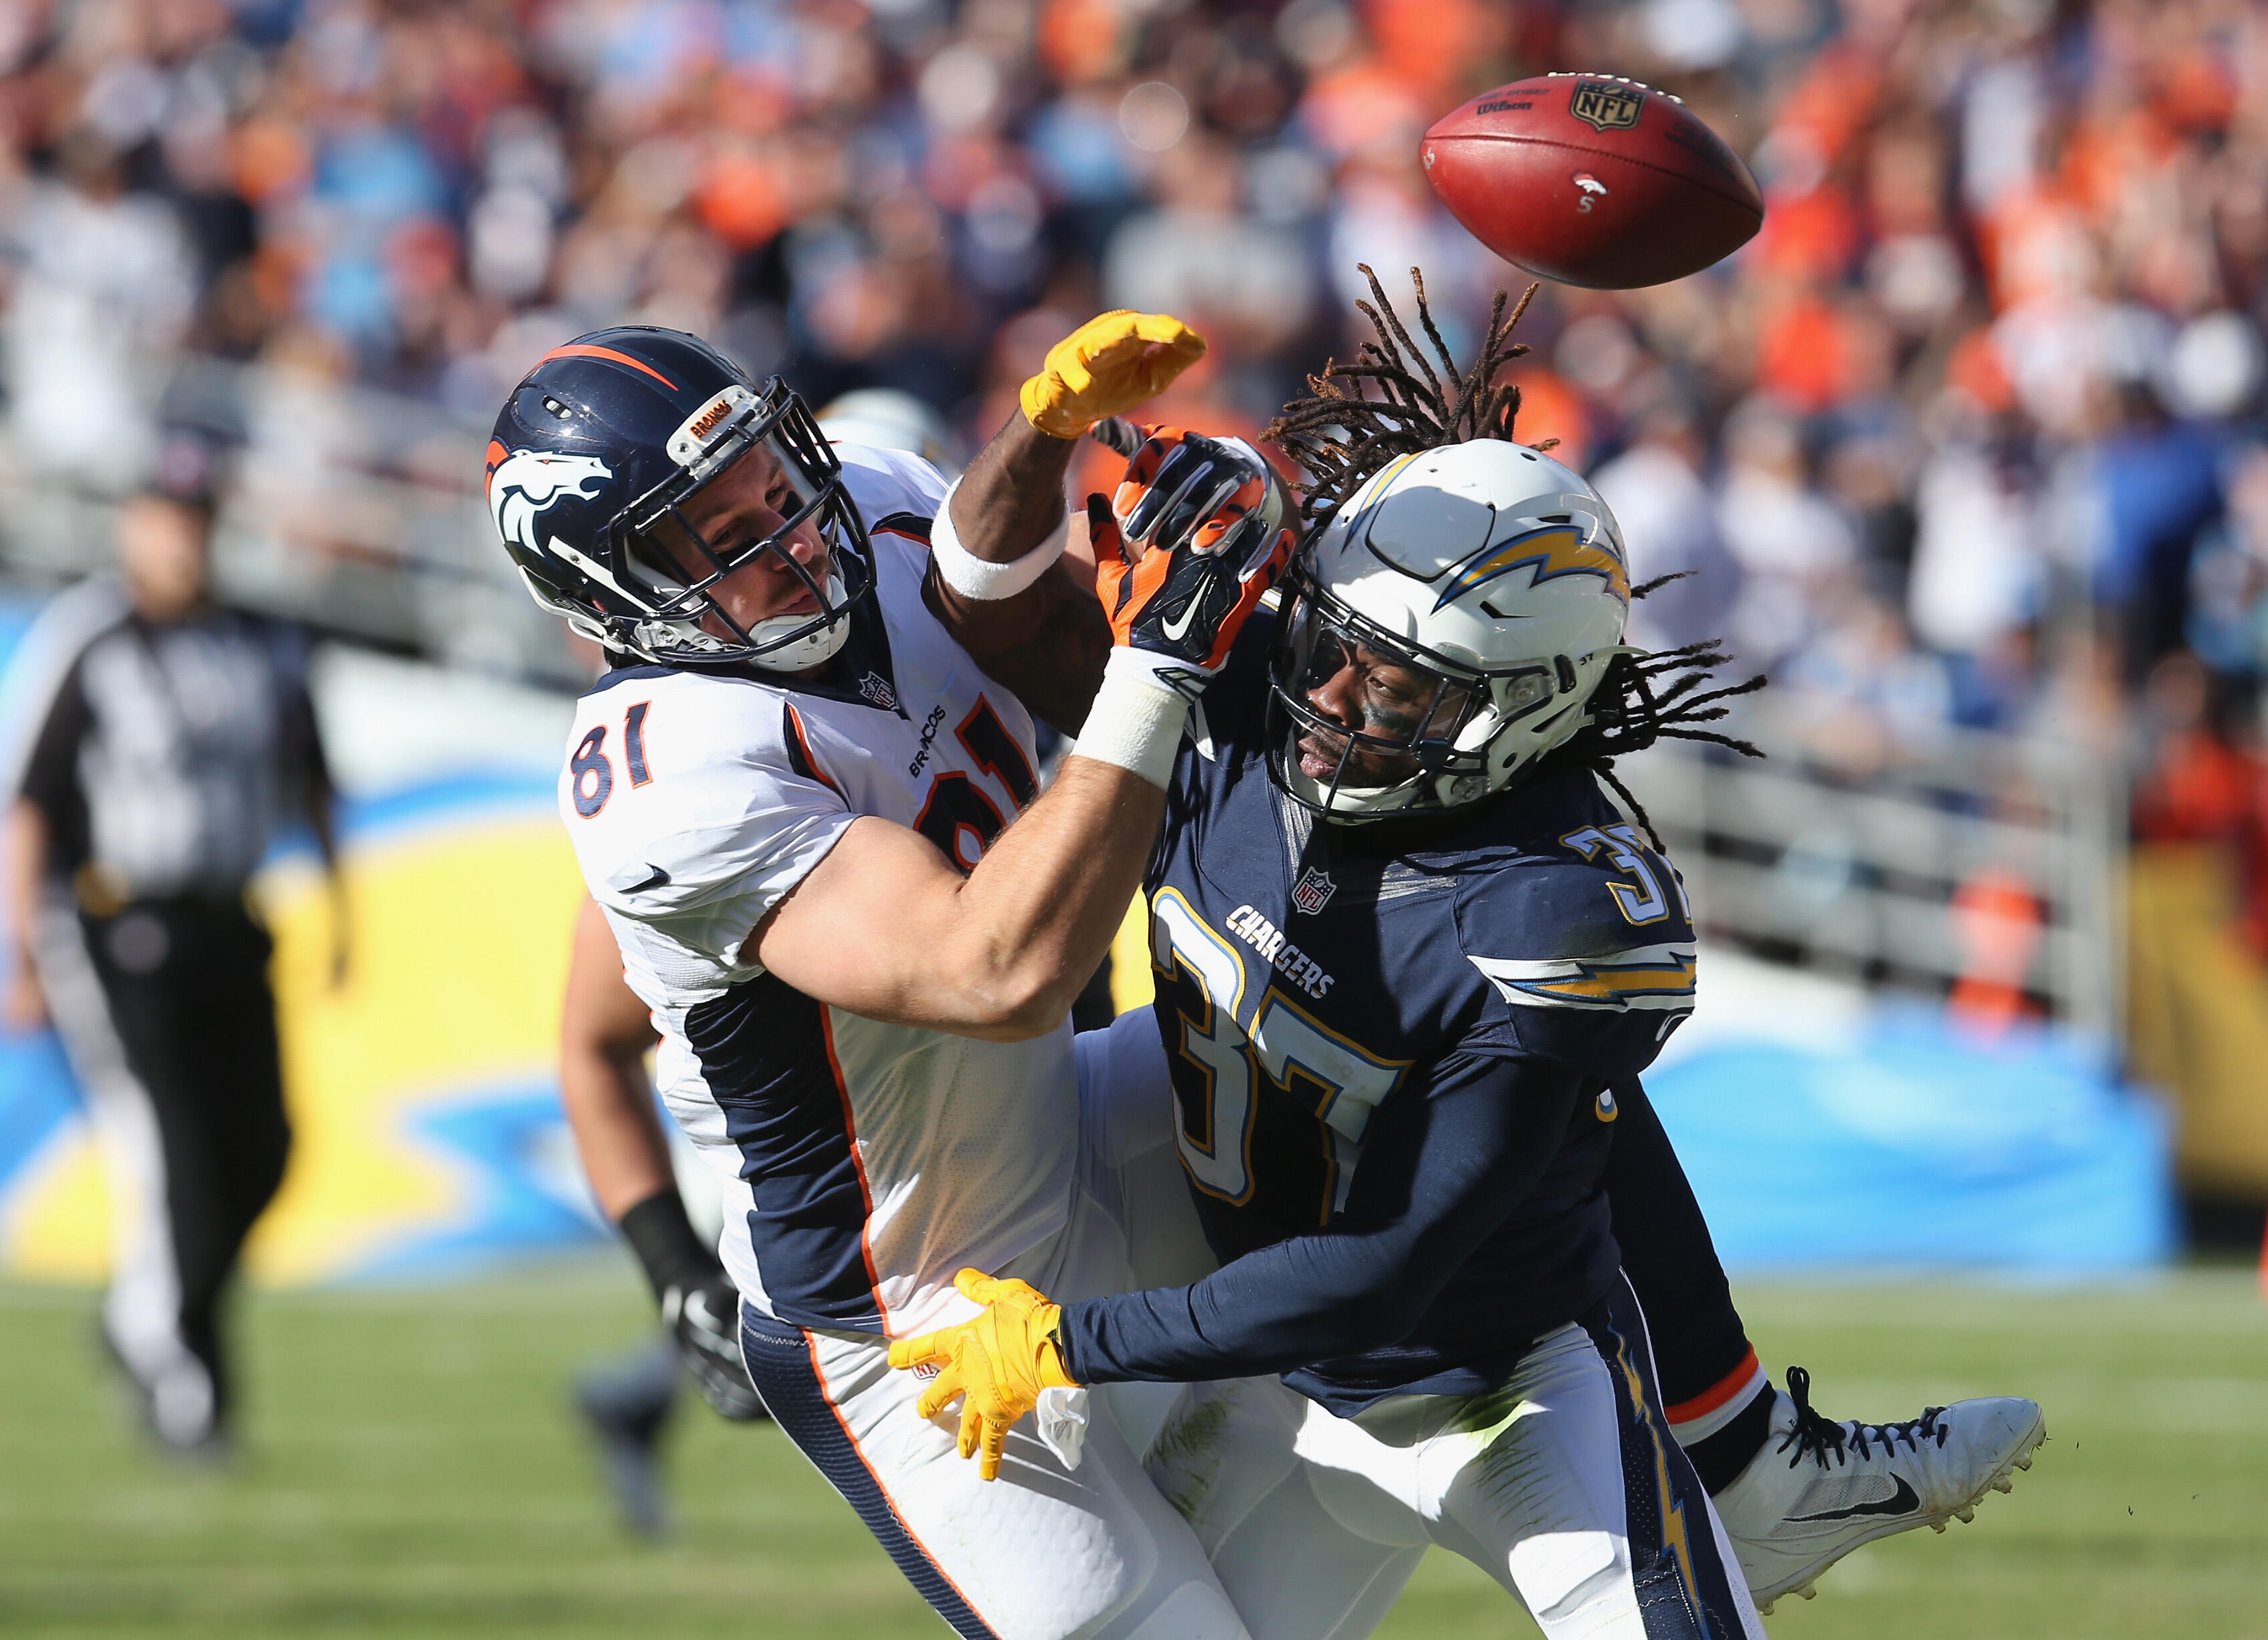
<point x="523" y="483"/>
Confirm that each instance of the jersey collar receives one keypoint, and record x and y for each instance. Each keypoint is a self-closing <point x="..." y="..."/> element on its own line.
<point x="860" y="674"/>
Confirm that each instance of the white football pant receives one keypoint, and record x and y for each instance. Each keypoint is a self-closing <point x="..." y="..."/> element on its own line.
<point x="1045" y="1552"/>
<point x="1566" y="1486"/>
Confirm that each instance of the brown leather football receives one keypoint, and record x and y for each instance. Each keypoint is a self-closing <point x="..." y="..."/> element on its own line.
<point x="1592" y="180"/>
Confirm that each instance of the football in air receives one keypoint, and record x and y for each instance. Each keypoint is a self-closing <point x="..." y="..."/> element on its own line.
<point x="1593" y="180"/>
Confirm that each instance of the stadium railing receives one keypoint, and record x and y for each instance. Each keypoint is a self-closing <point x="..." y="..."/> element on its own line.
<point x="1990" y="859"/>
<point x="357" y="511"/>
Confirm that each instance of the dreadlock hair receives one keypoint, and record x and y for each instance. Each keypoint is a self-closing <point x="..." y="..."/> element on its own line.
<point x="1648" y="697"/>
<point x="1391" y="401"/>
<point x="1340" y="435"/>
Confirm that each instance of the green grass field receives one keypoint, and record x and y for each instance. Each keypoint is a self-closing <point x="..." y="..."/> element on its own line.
<point x="410" y="1469"/>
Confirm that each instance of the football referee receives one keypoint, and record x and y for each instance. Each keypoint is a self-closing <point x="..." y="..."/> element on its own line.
<point x="174" y="734"/>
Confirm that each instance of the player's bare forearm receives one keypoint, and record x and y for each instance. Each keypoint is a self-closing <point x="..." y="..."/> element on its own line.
<point x="27" y="865"/>
<point x="886" y="927"/>
<point x="1012" y="497"/>
<point x="25" y="1007"/>
<point x="617" y="1133"/>
<point x="1011" y="500"/>
<point x="604" y="1031"/>
<point x="1047" y="643"/>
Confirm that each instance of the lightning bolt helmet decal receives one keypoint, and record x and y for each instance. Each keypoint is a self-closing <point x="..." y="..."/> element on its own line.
<point x="1552" y="550"/>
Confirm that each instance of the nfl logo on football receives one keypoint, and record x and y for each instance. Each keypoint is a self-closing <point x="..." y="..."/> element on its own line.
<point x="1606" y="105"/>
<point x="1312" y="890"/>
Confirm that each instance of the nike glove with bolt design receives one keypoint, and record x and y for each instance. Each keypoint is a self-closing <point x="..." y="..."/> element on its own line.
<point x="705" y="1321"/>
<point x="699" y="1304"/>
<point x="1198" y="530"/>
<point x="998" y="1364"/>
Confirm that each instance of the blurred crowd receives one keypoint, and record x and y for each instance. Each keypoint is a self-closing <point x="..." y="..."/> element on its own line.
<point x="1969" y="435"/>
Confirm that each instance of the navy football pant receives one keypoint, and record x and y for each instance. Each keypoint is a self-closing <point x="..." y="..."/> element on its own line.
<point x="1709" y="1373"/>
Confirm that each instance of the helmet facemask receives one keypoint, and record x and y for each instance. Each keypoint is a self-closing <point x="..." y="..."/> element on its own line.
<point x="1487" y="572"/>
<point x="673" y="568"/>
<point x="1431" y="734"/>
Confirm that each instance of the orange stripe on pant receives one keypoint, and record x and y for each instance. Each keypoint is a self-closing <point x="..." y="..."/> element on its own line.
<point x="1700" y="1415"/>
<point x="827" y="1393"/>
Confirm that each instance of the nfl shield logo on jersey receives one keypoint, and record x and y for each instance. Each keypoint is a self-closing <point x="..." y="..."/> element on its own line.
<point x="877" y="688"/>
<point x="1312" y="890"/>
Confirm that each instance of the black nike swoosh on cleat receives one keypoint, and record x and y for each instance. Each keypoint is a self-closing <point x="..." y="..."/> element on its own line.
<point x="1903" y="1501"/>
<point x="660" y="880"/>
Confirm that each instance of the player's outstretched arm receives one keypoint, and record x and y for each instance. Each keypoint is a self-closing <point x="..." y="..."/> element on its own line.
<point x="603" y="1034"/>
<point x="25" y="1007"/>
<point x="996" y="581"/>
<point x="1439" y="1173"/>
<point x="1047" y="643"/>
<point x="888" y="928"/>
<point x="885" y="926"/>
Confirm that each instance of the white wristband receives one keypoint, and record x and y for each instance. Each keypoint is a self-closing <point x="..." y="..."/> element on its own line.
<point x="1136" y="719"/>
<point x="976" y="577"/>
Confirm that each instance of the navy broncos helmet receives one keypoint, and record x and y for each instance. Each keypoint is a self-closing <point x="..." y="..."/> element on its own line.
<point x="590" y="467"/>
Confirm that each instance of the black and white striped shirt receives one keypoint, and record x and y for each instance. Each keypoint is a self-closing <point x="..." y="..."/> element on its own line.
<point x="167" y="754"/>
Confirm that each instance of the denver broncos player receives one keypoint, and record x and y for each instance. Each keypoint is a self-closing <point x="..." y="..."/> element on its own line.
<point x="791" y="799"/>
<point x="1409" y="959"/>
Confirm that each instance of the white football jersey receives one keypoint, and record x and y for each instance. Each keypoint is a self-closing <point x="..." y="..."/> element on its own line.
<point x="864" y="1162"/>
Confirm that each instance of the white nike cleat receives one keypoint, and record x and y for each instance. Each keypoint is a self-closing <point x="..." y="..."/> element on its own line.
<point x="1819" y="1490"/>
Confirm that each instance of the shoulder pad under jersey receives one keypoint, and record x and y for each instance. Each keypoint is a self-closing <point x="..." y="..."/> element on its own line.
<point x="1587" y="943"/>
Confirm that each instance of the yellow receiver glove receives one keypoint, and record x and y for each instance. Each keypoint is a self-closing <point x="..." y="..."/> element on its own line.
<point x="1109" y="365"/>
<point x="998" y="1364"/>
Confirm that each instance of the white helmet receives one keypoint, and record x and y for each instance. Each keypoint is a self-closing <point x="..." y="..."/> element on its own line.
<point x="885" y="418"/>
<point x="1493" y="569"/>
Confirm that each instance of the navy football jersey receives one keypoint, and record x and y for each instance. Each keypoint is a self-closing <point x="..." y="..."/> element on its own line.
<point x="1310" y="973"/>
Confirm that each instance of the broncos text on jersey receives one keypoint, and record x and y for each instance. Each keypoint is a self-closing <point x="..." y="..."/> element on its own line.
<point x="1306" y="974"/>
<point x="864" y="1164"/>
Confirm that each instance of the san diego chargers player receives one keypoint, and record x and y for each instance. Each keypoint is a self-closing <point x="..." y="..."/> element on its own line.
<point x="1410" y="961"/>
<point x="791" y="804"/>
